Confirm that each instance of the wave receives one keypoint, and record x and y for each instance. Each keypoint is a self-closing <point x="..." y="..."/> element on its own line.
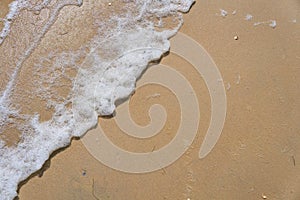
<point x="65" y="63"/>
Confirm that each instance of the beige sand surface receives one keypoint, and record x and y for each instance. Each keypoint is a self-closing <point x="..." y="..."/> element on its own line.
<point x="259" y="150"/>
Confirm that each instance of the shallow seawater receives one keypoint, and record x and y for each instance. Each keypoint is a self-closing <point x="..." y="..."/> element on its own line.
<point x="57" y="78"/>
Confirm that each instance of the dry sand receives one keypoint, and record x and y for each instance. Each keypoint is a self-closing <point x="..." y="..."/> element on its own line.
<point x="259" y="150"/>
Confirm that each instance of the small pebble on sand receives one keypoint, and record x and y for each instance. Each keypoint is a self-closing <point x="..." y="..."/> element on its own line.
<point x="263" y="196"/>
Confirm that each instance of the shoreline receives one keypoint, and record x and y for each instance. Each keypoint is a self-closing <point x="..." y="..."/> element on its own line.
<point x="258" y="150"/>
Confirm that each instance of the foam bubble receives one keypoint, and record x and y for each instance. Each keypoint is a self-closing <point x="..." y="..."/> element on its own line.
<point x="248" y="17"/>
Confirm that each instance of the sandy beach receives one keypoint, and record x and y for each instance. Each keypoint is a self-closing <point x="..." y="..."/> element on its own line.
<point x="257" y="155"/>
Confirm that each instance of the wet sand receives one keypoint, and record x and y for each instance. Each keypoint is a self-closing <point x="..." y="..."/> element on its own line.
<point x="258" y="153"/>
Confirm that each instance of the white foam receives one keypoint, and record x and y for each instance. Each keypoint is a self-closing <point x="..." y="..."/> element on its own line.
<point x="117" y="55"/>
<point x="248" y="17"/>
<point x="223" y="13"/>
<point x="14" y="8"/>
<point x="271" y="23"/>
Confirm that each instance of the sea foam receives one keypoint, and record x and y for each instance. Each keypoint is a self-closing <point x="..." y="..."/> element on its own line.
<point x="72" y="85"/>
